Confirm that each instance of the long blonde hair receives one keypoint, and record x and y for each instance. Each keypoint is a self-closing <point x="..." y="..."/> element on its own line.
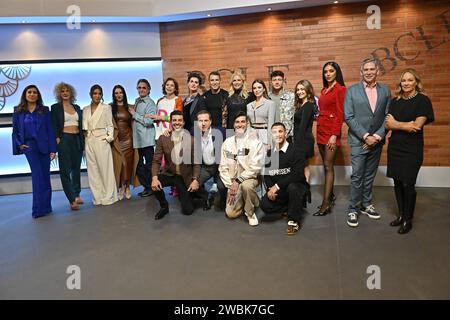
<point x="244" y="91"/>
<point x="419" y="86"/>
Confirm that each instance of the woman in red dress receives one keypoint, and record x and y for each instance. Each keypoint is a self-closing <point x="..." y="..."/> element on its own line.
<point x="329" y="123"/>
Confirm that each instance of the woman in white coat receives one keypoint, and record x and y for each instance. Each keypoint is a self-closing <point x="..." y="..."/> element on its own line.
<point x="99" y="131"/>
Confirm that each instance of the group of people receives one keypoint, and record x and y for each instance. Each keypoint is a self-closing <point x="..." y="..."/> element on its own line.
<point x="239" y="140"/>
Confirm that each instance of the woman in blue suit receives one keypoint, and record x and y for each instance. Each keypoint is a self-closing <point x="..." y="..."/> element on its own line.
<point x="33" y="136"/>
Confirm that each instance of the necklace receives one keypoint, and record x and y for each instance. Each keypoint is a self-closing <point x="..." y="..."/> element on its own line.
<point x="410" y="97"/>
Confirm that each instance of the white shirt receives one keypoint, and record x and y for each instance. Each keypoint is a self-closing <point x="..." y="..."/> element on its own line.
<point x="208" y="148"/>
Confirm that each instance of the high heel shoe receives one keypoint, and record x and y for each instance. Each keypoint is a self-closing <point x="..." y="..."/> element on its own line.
<point x="128" y="194"/>
<point x="79" y="200"/>
<point x="322" y="211"/>
<point x="333" y="199"/>
<point x="74" y="206"/>
<point x="120" y="194"/>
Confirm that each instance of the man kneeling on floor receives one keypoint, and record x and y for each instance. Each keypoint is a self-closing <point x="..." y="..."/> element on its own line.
<point x="285" y="181"/>
<point x="240" y="164"/>
<point x="179" y="171"/>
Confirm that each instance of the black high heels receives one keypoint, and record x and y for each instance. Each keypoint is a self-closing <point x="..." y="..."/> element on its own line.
<point x="333" y="199"/>
<point x="322" y="211"/>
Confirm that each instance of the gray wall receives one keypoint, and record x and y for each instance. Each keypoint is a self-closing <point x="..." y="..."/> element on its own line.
<point x="56" y="41"/>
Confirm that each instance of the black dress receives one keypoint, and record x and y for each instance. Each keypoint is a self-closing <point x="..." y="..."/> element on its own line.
<point x="303" y="136"/>
<point x="405" y="150"/>
<point x="236" y="103"/>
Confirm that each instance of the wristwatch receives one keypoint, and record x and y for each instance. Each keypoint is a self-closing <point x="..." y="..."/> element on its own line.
<point x="237" y="180"/>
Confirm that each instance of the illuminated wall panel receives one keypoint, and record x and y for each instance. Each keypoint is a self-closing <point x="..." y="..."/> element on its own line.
<point x="82" y="75"/>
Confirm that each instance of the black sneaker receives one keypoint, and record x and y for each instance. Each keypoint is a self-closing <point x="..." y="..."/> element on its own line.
<point x="352" y="219"/>
<point x="370" y="211"/>
<point x="145" y="193"/>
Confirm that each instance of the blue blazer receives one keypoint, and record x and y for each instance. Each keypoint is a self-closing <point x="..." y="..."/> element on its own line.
<point x="46" y="142"/>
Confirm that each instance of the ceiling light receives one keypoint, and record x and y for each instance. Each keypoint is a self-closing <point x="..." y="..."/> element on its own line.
<point x="269" y="9"/>
<point x="208" y="15"/>
<point x="335" y="2"/>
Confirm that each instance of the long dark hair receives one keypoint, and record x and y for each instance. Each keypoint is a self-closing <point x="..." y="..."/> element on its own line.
<point x="339" y="76"/>
<point x="265" y="94"/>
<point x="309" y="95"/>
<point x="23" y="104"/>
<point x="95" y="87"/>
<point x="114" y="105"/>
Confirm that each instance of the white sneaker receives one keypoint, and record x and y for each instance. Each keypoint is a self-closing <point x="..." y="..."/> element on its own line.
<point x="253" y="220"/>
<point x="214" y="188"/>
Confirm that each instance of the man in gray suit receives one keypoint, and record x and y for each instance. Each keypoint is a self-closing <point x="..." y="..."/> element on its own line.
<point x="365" y="108"/>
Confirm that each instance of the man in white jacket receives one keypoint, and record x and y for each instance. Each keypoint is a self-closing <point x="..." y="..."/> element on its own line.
<point x="241" y="162"/>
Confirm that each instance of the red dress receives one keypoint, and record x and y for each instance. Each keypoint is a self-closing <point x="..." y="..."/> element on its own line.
<point x="331" y="114"/>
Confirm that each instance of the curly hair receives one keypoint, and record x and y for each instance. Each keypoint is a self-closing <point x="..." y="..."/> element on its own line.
<point x="62" y="85"/>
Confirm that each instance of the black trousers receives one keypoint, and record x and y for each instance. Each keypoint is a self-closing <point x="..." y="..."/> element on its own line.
<point x="405" y="194"/>
<point x="186" y="200"/>
<point x="289" y="200"/>
<point x="223" y="191"/>
<point x="144" y="166"/>
<point x="69" y="158"/>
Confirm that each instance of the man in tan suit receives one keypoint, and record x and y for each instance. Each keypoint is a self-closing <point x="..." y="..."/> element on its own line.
<point x="180" y="170"/>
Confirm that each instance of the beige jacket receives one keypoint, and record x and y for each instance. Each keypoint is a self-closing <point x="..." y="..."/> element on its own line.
<point x="241" y="159"/>
<point x="100" y="123"/>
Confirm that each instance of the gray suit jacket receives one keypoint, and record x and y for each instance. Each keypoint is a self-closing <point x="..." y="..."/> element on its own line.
<point x="359" y="116"/>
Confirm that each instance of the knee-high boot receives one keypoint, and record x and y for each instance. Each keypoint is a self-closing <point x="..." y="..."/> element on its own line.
<point x="398" y="190"/>
<point x="410" y="205"/>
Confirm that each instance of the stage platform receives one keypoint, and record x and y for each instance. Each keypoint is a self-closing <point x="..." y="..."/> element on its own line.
<point x="123" y="253"/>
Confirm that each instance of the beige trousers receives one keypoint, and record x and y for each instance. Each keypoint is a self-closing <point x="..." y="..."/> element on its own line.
<point x="100" y="171"/>
<point x="246" y="200"/>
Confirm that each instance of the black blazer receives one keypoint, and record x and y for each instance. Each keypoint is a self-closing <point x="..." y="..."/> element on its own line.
<point x="58" y="121"/>
<point x="190" y="114"/>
